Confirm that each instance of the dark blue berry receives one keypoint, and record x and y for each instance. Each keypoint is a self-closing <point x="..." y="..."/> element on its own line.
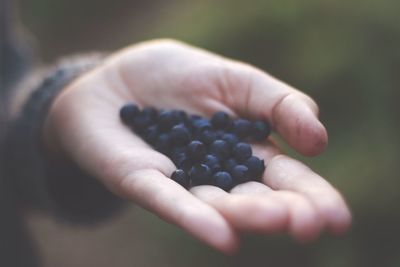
<point x="140" y="123"/>
<point x="215" y="155"/>
<point x="216" y="168"/>
<point x="240" y="174"/>
<point x="229" y="164"/>
<point x="167" y="119"/>
<point x="180" y="135"/>
<point x="207" y="136"/>
<point x="200" y="174"/>
<point x="151" y="113"/>
<point x="212" y="162"/>
<point x="181" y="116"/>
<point x="182" y="161"/>
<point x="220" y="133"/>
<point x="256" y="166"/>
<point x="180" y="177"/>
<point x="144" y="119"/>
<point x="128" y="112"/>
<point x="178" y="149"/>
<point x="242" y="151"/>
<point x="194" y="117"/>
<point x="220" y="120"/>
<point x="231" y="139"/>
<point x="150" y="134"/>
<point x="163" y="143"/>
<point x="242" y="128"/>
<point x="223" y="180"/>
<point x="196" y="150"/>
<point x="200" y="125"/>
<point x="220" y="148"/>
<point x="260" y="130"/>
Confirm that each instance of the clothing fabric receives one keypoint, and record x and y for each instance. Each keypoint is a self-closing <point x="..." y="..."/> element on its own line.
<point x="29" y="179"/>
<point x="60" y="188"/>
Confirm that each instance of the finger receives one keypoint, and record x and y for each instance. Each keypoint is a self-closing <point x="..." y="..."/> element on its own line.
<point x="131" y="169"/>
<point x="265" y="214"/>
<point x="292" y="113"/>
<point x="171" y="202"/>
<point x="284" y="173"/>
<point x="305" y="223"/>
<point x="153" y="190"/>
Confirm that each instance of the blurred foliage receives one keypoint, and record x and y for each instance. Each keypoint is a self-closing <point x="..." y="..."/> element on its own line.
<point x="345" y="54"/>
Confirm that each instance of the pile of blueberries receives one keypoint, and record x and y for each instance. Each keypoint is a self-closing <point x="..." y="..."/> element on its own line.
<point x="206" y="151"/>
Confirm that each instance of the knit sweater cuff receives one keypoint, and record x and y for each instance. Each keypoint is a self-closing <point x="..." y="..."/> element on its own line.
<point x="60" y="188"/>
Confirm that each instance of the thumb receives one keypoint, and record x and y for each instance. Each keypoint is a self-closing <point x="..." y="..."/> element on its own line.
<point x="293" y="114"/>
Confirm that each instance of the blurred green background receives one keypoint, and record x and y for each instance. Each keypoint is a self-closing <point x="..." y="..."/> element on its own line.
<point x="345" y="54"/>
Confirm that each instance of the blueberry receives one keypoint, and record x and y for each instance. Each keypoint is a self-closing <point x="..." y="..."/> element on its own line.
<point x="231" y="139"/>
<point x="140" y="123"/>
<point x="179" y="149"/>
<point x="240" y="174"/>
<point x="175" y="156"/>
<point x="194" y="117"/>
<point x="167" y="119"/>
<point x="260" y="130"/>
<point x="256" y="166"/>
<point x="144" y="119"/>
<point x="150" y="112"/>
<point x="212" y="162"/>
<point x="220" y="120"/>
<point x="200" y="125"/>
<point x="181" y="116"/>
<point x="205" y="151"/>
<point x="219" y="134"/>
<point x="242" y="151"/>
<point x="200" y="174"/>
<point x="220" y="148"/>
<point x="180" y="135"/>
<point x="196" y="150"/>
<point x="182" y="161"/>
<point x="229" y="164"/>
<point x="216" y="168"/>
<point x="180" y="177"/>
<point x="150" y="134"/>
<point x="128" y="112"/>
<point x="163" y="143"/>
<point x="223" y="180"/>
<point x="242" y="128"/>
<point x="207" y="136"/>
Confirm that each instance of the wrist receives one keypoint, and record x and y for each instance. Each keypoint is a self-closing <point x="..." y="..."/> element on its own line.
<point x="60" y="79"/>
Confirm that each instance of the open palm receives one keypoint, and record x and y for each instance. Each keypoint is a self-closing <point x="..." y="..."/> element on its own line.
<point x="83" y="124"/>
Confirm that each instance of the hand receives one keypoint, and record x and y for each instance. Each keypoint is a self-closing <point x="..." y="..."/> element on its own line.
<point x="83" y="124"/>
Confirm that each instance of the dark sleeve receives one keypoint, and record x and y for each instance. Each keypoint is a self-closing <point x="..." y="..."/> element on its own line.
<point x="60" y="188"/>
<point x="16" y="57"/>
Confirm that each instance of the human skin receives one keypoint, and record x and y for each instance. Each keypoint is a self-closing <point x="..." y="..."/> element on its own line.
<point x="83" y="125"/>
